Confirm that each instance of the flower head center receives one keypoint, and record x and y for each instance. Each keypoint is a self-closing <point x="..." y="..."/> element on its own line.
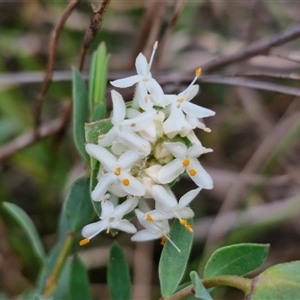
<point x="118" y="171"/>
<point x="186" y="163"/>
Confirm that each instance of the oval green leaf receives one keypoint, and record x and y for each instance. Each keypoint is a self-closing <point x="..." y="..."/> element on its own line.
<point x="173" y="263"/>
<point x="79" y="287"/>
<point x="118" y="276"/>
<point x="239" y="260"/>
<point x="280" y="282"/>
<point x="78" y="206"/>
<point x="80" y="112"/>
<point x="20" y="219"/>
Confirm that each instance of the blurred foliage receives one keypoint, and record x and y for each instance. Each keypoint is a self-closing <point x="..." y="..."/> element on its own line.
<point x="37" y="178"/>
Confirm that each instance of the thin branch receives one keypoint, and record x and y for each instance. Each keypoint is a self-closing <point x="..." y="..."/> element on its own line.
<point x="292" y="76"/>
<point x="50" y="67"/>
<point x="260" y="47"/>
<point x="28" y="138"/>
<point x="95" y="24"/>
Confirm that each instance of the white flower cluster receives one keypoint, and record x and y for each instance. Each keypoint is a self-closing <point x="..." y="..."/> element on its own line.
<point x="151" y="144"/>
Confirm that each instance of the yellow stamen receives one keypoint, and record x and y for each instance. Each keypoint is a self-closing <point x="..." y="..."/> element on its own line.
<point x="133" y="124"/>
<point x="126" y="182"/>
<point x="118" y="171"/>
<point x="149" y="218"/>
<point x="198" y="72"/>
<point x="186" y="163"/>
<point x="84" y="241"/>
<point x="192" y="172"/>
<point x="188" y="228"/>
<point x="183" y="222"/>
<point x="163" y="240"/>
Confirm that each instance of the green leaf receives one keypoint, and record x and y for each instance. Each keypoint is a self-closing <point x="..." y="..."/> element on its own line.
<point x="79" y="287"/>
<point x="280" y="282"/>
<point x="98" y="81"/>
<point x="200" y="290"/>
<point x="239" y="260"/>
<point x="80" y="112"/>
<point x="21" y="220"/>
<point x="172" y="263"/>
<point x="94" y="129"/>
<point x="78" y="205"/>
<point x="118" y="276"/>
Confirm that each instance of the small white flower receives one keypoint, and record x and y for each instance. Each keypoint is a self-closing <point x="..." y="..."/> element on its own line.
<point x="124" y="131"/>
<point x="185" y="159"/>
<point x="145" y="83"/>
<point x="181" y="107"/>
<point x="153" y="229"/>
<point x="111" y="218"/>
<point x="118" y="171"/>
<point x="171" y="208"/>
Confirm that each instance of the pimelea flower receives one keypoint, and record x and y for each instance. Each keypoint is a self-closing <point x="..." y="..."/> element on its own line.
<point x="145" y="83"/>
<point x="150" y="145"/>
<point x="180" y="107"/>
<point x="111" y="218"/>
<point x="117" y="172"/>
<point x="185" y="160"/>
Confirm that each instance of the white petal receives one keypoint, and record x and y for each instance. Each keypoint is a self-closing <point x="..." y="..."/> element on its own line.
<point x="128" y="159"/>
<point x="141" y="65"/>
<point x="107" y="159"/>
<point x="175" y="121"/>
<point x="123" y="225"/>
<point x="170" y="171"/>
<point x="145" y="235"/>
<point x="161" y="195"/>
<point x="141" y="98"/>
<point x="197" y="150"/>
<point x="141" y="121"/>
<point x="119" y="107"/>
<point x="126" y="82"/>
<point x="90" y="230"/>
<point x="107" y="209"/>
<point x="196" y="111"/>
<point x="102" y="186"/>
<point x="108" y="138"/>
<point x="178" y="149"/>
<point x="188" y="197"/>
<point x="135" y="142"/>
<point x="134" y="187"/>
<point x="125" y="207"/>
<point x="156" y="92"/>
<point x="159" y="215"/>
<point x="185" y="213"/>
<point x="190" y="92"/>
<point x="202" y="178"/>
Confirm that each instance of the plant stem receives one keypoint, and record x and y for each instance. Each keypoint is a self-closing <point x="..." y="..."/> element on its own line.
<point x="53" y="278"/>
<point x="237" y="282"/>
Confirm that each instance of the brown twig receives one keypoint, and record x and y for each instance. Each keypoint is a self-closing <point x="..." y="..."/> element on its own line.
<point x="270" y="75"/>
<point x="260" y="47"/>
<point x="95" y="24"/>
<point x="50" y="67"/>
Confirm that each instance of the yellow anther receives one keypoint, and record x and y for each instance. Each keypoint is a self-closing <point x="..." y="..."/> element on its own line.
<point x="188" y="228"/>
<point x="186" y="163"/>
<point x="84" y="241"/>
<point x="192" y="172"/>
<point x="183" y="222"/>
<point x="180" y="100"/>
<point x="163" y="240"/>
<point x="126" y="182"/>
<point x="118" y="171"/>
<point x="149" y="218"/>
<point x="198" y="72"/>
<point x="133" y="124"/>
